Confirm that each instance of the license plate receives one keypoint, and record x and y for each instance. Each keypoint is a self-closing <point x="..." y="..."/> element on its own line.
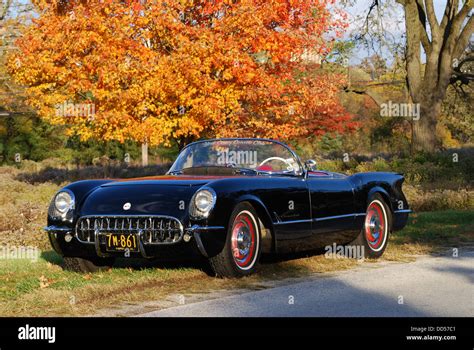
<point x="117" y="242"/>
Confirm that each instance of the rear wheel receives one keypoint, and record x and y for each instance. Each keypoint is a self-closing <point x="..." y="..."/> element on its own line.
<point x="373" y="237"/>
<point x="87" y="266"/>
<point x="242" y="248"/>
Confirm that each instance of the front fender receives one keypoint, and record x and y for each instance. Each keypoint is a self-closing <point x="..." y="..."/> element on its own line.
<point x="81" y="190"/>
<point x="225" y="205"/>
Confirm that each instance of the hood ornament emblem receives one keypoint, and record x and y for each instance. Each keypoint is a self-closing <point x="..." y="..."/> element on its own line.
<point x="127" y="206"/>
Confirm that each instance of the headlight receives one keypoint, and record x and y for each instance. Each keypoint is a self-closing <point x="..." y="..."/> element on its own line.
<point x="202" y="203"/>
<point x="64" y="201"/>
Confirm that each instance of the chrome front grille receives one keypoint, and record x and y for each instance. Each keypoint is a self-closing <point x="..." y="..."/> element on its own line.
<point x="157" y="229"/>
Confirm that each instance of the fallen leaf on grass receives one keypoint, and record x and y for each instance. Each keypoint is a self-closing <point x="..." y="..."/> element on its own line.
<point x="44" y="282"/>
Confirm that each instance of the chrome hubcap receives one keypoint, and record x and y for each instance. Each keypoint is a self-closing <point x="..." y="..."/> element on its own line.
<point x="243" y="242"/>
<point x="374" y="226"/>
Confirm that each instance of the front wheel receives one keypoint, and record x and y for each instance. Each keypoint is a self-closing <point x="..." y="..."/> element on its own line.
<point x="373" y="238"/>
<point x="242" y="248"/>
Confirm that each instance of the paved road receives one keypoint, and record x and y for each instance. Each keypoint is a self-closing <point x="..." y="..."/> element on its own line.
<point x="431" y="286"/>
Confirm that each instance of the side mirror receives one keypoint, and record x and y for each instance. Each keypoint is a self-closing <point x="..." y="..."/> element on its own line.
<point x="310" y="165"/>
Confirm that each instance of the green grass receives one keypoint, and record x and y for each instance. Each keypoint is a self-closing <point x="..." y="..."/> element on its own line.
<point x="43" y="288"/>
<point x="439" y="228"/>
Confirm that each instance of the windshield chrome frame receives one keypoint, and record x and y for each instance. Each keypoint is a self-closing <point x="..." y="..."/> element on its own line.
<point x="298" y="160"/>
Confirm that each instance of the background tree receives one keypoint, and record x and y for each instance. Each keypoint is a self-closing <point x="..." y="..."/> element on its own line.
<point x="459" y="101"/>
<point x="374" y="65"/>
<point x="443" y="43"/>
<point x="434" y="53"/>
<point x="180" y="70"/>
<point x="18" y="123"/>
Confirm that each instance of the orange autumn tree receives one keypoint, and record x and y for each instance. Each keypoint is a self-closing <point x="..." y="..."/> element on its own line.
<point x="179" y="70"/>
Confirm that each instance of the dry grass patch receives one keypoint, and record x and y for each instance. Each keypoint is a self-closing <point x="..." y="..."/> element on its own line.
<point x="23" y="210"/>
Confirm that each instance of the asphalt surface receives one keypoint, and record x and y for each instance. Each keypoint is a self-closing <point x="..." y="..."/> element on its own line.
<point x="430" y="286"/>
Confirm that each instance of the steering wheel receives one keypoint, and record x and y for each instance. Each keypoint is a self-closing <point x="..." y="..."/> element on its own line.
<point x="289" y="167"/>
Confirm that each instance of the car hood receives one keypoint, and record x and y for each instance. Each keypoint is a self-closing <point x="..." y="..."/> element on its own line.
<point x="163" y="195"/>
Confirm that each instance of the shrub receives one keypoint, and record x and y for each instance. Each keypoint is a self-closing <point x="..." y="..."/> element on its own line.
<point x="23" y="210"/>
<point x="429" y="170"/>
<point x="61" y="175"/>
<point x="433" y="200"/>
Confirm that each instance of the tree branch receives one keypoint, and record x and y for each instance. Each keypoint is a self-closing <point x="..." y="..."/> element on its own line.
<point x="4" y="9"/>
<point x="462" y="14"/>
<point x="425" y="40"/>
<point x="464" y="38"/>
<point x="430" y="13"/>
<point x="458" y="21"/>
<point x="449" y="13"/>
<point x="456" y="39"/>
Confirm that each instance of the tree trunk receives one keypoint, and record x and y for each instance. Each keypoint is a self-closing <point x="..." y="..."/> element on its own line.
<point x="424" y="129"/>
<point x="442" y="41"/>
<point x="144" y="153"/>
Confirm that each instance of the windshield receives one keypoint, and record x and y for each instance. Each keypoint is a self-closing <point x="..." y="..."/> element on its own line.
<point x="258" y="155"/>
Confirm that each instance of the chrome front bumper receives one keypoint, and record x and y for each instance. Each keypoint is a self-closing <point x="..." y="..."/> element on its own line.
<point x="194" y="231"/>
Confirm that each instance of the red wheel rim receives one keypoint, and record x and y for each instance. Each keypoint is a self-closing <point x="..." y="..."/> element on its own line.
<point x="375" y="225"/>
<point x="244" y="238"/>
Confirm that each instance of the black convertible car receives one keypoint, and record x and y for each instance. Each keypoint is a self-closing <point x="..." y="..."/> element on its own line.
<point x="229" y="200"/>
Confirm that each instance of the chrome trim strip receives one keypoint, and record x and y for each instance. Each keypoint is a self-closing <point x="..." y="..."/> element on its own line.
<point x="338" y="217"/>
<point x="403" y="211"/>
<point x="319" y="219"/>
<point x="197" y="228"/>
<point x="57" y="229"/>
<point x="292" y="222"/>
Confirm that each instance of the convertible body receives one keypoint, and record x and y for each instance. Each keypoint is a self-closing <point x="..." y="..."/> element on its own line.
<point x="252" y="211"/>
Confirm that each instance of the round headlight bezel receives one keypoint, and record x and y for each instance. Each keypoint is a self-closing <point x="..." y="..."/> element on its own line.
<point x="64" y="201"/>
<point x="198" y="208"/>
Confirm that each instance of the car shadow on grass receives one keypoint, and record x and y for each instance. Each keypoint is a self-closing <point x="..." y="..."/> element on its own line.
<point x="289" y="256"/>
<point x="140" y="264"/>
<point x="52" y="257"/>
<point x="270" y="263"/>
